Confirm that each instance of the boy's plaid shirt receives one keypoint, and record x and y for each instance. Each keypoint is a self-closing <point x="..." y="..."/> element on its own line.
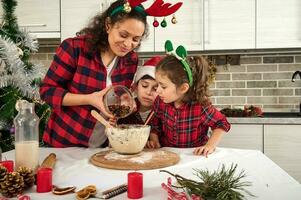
<point x="77" y="70"/>
<point x="186" y="126"/>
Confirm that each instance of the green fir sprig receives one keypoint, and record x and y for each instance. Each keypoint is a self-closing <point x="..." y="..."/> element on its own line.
<point x="222" y="184"/>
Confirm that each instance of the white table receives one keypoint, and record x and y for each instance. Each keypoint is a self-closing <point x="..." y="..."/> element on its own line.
<point x="72" y="168"/>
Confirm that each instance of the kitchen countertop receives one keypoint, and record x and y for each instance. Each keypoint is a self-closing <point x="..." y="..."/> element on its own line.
<point x="293" y="120"/>
<point x="72" y="168"/>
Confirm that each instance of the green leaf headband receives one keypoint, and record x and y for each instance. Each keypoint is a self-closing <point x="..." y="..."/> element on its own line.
<point x="127" y="8"/>
<point x="181" y="55"/>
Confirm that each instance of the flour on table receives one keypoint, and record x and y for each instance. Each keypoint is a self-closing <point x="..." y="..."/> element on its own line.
<point x="140" y="158"/>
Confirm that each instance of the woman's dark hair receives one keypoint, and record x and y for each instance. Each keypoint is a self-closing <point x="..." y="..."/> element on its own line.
<point x="98" y="37"/>
<point x="174" y="70"/>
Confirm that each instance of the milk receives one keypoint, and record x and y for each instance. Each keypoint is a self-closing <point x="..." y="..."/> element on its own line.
<point x="27" y="154"/>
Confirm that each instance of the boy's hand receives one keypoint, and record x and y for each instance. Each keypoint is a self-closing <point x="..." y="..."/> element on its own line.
<point x="204" y="150"/>
<point x="153" y="142"/>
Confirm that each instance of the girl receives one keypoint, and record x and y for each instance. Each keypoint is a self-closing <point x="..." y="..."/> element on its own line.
<point x="183" y="112"/>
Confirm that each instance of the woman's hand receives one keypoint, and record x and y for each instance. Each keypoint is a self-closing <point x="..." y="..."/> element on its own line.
<point x="96" y="100"/>
<point x="113" y="121"/>
<point x="153" y="142"/>
<point x="204" y="150"/>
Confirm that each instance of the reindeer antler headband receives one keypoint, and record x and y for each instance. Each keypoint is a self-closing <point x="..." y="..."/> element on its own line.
<point x="181" y="55"/>
<point x="157" y="9"/>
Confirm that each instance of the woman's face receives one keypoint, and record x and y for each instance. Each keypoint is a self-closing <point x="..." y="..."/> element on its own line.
<point x="124" y="36"/>
<point x="146" y="92"/>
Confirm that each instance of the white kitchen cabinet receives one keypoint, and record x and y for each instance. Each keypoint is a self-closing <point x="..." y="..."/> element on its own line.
<point x="42" y="17"/>
<point x="278" y="23"/>
<point x="76" y="15"/>
<point x="148" y="43"/>
<point x="229" y="24"/>
<point x="187" y="32"/>
<point x="244" y="136"/>
<point x="282" y="144"/>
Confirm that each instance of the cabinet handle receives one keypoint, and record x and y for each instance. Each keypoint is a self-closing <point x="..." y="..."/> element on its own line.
<point x="197" y="6"/>
<point x="206" y="22"/>
<point x="33" y="25"/>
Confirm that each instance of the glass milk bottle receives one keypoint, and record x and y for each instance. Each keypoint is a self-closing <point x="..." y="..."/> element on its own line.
<point x="26" y="136"/>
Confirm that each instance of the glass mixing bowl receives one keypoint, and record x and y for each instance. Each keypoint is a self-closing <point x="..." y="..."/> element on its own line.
<point x="119" y="101"/>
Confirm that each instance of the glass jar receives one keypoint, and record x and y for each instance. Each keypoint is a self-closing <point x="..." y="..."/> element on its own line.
<point x="26" y="136"/>
<point x="119" y="101"/>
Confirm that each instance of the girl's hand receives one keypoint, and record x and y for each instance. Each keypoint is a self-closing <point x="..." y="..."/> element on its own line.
<point x="211" y="144"/>
<point x="153" y="142"/>
<point x="204" y="150"/>
<point x="95" y="99"/>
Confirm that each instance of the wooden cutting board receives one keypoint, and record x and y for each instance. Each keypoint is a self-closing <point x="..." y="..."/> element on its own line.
<point x="147" y="159"/>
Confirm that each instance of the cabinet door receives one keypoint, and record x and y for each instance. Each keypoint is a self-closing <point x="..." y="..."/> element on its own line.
<point x="278" y="23"/>
<point x="282" y="144"/>
<point x="40" y="16"/>
<point x="187" y="31"/>
<point x="244" y="136"/>
<point x="229" y="24"/>
<point x="76" y="15"/>
<point x="148" y="43"/>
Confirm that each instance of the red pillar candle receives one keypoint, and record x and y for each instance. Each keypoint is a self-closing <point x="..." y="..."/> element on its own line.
<point x="135" y="185"/>
<point x="44" y="180"/>
<point x="8" y="164"/>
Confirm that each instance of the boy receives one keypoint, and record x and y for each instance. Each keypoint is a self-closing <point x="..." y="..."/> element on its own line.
<point x="144" y="87"/>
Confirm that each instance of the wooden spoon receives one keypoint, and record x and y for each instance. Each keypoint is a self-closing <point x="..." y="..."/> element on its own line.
<point x="149" y="118"/>
<point x="100" y="118"/>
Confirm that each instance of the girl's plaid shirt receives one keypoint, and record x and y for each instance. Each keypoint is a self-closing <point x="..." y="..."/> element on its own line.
<point x="77" y="70"/>
<point x="186" y="126"/>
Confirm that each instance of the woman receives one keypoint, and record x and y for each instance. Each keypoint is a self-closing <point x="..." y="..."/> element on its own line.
<point x="83" y="68"/>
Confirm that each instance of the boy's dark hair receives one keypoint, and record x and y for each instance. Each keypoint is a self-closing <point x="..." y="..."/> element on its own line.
<point x="146" y="77"/>
<point x="174" y="70"/>
<point x="98" y="36"/>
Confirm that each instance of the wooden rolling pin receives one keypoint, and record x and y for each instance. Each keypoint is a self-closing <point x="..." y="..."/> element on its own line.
<point x="49" y="161"/>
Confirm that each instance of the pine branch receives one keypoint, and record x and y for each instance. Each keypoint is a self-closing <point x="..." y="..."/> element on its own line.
<point x="10" y="26"/>
<point x="221" y="184"/>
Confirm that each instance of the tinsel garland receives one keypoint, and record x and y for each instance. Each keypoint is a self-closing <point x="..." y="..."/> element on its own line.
<point x="16" y="73"/>
<point x="28" y="40"/>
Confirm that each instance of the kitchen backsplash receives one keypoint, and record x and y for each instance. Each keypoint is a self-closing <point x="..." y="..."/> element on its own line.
<point x="260" y="79"/>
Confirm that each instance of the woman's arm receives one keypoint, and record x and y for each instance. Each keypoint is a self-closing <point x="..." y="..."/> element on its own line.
<point x="60" y="73"/>
<point x="94" y="99"/>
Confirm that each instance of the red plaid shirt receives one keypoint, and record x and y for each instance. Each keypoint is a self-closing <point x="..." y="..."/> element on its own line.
<point x="77" y="70"/>
<point x="186" y="126"/>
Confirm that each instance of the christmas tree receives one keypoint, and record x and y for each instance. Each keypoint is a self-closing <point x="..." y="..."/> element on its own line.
<point x="19" y="78"/>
